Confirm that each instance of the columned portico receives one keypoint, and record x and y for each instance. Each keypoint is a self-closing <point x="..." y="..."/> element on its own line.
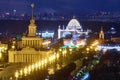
<point x="27" y="55"/>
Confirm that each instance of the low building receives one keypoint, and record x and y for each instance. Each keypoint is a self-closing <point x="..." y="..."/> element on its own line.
<point x="27" y="55"/>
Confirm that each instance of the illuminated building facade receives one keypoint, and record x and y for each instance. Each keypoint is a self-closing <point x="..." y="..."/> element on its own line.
<point x="73" y="27"/>
<point x="31" y="39"/>
<point x="46" y="34"/>
<point x="28" y="44"/>
<point x="75" y="30"/>
<point x="27" y="55"/>
<point x="101" y="34"/>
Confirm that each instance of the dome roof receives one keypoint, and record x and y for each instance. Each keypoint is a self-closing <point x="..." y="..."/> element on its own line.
<point x="74" y="24"/>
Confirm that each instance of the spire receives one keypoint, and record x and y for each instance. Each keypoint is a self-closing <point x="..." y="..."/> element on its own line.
<point x="32" y="21"/>
<point x="32" y="6"/>
<point x="73" y="16"/>
<point x="32" y="27"/>
<point x="101" y="34"/>
<point x="59" y="27"/>
<point x="101" y="28"/>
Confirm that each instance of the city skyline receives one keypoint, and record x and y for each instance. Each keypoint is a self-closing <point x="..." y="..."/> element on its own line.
<point x="59" y="6"/>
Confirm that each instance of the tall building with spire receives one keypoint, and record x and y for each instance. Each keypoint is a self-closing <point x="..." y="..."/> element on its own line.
<point x="32" y="27"/>
<point x="29" y="46"/>
<point x="31" y="40"/>
<point x="101" y="34"/>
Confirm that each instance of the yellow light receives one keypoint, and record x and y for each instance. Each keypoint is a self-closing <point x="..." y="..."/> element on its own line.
<point x="29" y="69"/>
<point x="77" y="45"/>
<point x="21" y="72"/>
<point x="65" y="51"/>
<point x="0" y="55"/>
<point x="0" y="49"/>
<point x="39" y="64"/>
<point x="36" y="66"/>
<point x="25" y="71"/>
<point x="69" y="46"/>
<point x="70" y="49"/>
<point x="87" y="52"/>
<point x="45" y="61"/>
<point x="33" y="67"/>
<point x="87" y="49"/>
<point x="51" y="71"/>
<point x="16" y="74"/>
<point x="91" y="47"/>
<point x="13" y="47"/>
<point x="60" y="50"/>
<point x="42" y="62"/>
<point x="52" y="57"/>
<point x="5" y="48"/>
<point x="45" y="43"/>
<point x="95" y="43"/>
<point x="58" y="56"/>
<point x="96" y="49"/>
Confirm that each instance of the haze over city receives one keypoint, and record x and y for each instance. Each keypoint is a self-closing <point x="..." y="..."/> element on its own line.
<point x="66" y="6"/>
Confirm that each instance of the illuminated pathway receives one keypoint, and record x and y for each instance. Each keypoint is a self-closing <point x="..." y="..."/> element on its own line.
<point x="48" y="60"/>
<point x="83" y="73"/>
<point x="40" y="64"/>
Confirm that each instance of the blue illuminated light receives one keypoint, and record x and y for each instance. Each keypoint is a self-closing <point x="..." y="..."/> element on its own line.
<point x="109" y="47"/>
<point x="86" y="76"/>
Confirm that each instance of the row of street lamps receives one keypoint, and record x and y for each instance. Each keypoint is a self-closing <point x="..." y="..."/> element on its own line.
<point x="93" y="46"/>
<point x="40" y="64"/>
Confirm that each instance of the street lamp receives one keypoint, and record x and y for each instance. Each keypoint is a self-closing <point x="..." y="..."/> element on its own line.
<point x="16" y="75"/>
<point x="21" y="72"/>
<point x="87" y="49"/>
<point x="36" y="66"/>
<point x="60" y="50"/>
<point x="33" y="67"/>
<point x="25" y="71"/>
<point x="29" y="69"/>
<point x="91" y="47"/>
<point x="70" y="50"/>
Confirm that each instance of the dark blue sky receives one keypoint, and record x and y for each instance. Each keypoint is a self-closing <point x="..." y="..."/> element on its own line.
<point x="64" y="6"/>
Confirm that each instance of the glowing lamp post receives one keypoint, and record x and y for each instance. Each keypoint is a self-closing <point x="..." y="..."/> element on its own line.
<point x="25" y="71"/>
<point x="29" y="69"/>
<point x="16" y="75"/>
<point x="33" y="67"/>
<point x="21" y="73"/>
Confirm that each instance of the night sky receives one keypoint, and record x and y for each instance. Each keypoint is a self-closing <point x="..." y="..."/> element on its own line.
<point x="63" y="6"/>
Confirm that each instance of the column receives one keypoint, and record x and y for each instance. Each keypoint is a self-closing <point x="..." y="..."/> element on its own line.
<point x="28" y="42"/>
<point x="32" y="58"/>
<point x="21" y="57"/>
<point x="32" y="42"/>
<point x="14" y="58"/>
